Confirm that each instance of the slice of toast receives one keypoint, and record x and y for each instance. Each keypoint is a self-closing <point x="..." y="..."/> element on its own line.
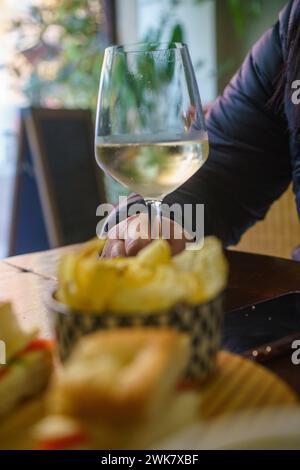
<point x="121" y="375"/>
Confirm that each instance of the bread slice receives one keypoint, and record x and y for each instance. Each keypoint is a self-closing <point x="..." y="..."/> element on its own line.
<point x="15" y="429"/>
<point x="181" y="411"/>
<point x="26" y="377"/>
<point x="14" y="338"/>
<point x="122" y="375"/>
<point x="60" y="432"/>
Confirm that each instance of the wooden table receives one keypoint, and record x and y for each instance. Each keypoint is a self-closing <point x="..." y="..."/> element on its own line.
<point x="253" y="278"/>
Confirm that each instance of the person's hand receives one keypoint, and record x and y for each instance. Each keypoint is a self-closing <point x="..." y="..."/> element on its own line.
<point x="296" y="254"/>
<point x="133" y="234"/>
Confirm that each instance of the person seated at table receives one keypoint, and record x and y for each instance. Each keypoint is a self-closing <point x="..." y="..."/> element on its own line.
<point x="254" y="135"/>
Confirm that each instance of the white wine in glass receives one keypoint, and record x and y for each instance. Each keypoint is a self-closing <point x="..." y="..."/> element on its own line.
<point x="152" y="170"/>
<point x="150" y="130"/>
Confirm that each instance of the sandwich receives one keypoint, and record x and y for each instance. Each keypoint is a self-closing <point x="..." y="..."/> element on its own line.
<point x="25" y="370"/>
<point x="119" y="390"/>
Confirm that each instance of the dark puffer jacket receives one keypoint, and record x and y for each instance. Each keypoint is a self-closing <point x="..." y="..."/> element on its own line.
<point x="255" y="152"/>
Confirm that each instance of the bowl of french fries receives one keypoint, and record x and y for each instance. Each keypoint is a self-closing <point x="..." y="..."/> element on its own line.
<point x="152" y="289"/>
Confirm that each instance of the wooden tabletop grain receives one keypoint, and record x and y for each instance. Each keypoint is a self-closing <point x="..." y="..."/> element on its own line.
<point x="26" y="279"/>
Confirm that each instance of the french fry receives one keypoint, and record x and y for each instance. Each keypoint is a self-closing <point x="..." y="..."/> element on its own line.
<point x="155" y="254"/>
<point x="151" y="281"/>
<point x="93" y="247"/>
<point x="142" y="290"/>
<point x="209" y="266"/>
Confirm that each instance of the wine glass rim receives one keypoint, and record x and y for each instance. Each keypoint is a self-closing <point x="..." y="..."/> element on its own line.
<point x="139" y="47"/>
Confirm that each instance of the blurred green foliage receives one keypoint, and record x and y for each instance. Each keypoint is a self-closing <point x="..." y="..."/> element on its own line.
<point x="60" y="48"/>
<point x="59" y="53"/>
<point x="240" y="10"/>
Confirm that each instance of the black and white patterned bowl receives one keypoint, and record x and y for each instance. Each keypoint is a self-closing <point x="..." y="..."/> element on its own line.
<point x="203" y="324"/>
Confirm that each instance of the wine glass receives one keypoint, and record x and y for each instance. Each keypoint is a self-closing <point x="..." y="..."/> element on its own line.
<point x="150" y="129"/>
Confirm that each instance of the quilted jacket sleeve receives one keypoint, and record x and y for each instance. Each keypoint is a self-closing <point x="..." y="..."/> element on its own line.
<point x="249" y="164"/>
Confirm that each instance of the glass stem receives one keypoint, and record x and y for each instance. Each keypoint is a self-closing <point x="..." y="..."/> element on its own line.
<point x="155" y="217"/>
